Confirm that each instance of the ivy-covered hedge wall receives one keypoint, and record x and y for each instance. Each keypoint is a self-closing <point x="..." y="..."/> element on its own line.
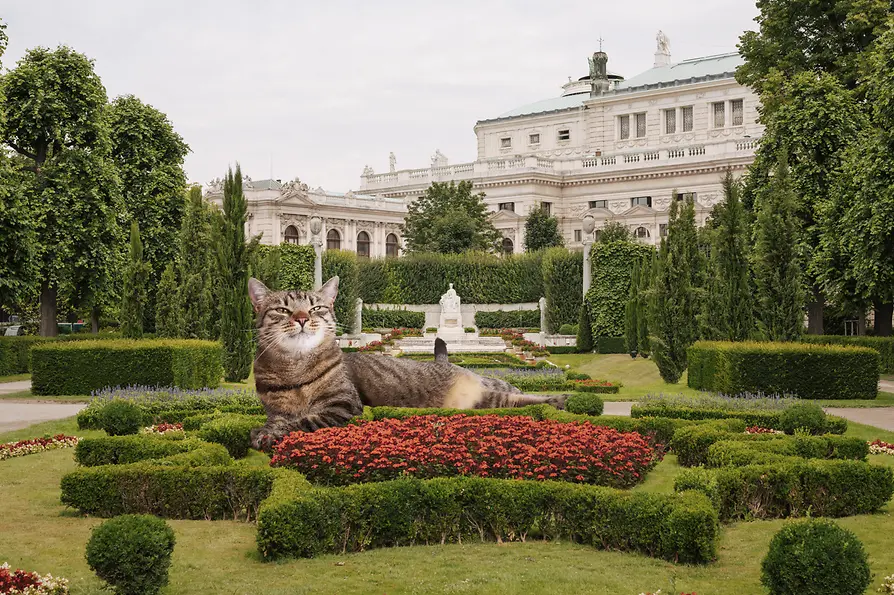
<point x="563" y="272"/>
<point x="344" y="264"/>
<point x="380" y="318"/>
<point x="287" y="266"/>
<point x="612" y="264"/>
<point x="508" y="319"/>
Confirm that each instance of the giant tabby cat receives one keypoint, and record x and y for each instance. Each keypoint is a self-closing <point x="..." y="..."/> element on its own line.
<point x="305" y="381"/>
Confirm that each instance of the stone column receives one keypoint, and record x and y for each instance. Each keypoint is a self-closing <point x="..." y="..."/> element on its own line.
<point x="589" y="224"/>
<point x="543" y="329"/>
<point x="358" y="317"/>
<point x="316" y="225"/>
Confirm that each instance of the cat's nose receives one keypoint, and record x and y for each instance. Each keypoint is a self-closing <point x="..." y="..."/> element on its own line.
<point x="301" y="318"/>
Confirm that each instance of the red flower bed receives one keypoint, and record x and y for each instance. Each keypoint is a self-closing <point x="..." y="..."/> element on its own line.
<point x="27" y="447"/>
<point x="488" y="446"/>
<point x="30" y="583"/>
<point x="760" y="430"/>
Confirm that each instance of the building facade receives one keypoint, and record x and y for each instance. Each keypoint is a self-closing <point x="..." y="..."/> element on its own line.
<point x="614" y="148"/>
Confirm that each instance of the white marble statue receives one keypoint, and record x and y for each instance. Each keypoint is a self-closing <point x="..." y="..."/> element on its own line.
<point x="663" y="42"/>
<point x="392" y="162"/>
<point x="450" y="311"/>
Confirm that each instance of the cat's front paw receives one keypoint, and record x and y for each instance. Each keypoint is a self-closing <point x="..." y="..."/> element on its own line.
<point x="264" y="439"/>
<point x="557" y="401"/>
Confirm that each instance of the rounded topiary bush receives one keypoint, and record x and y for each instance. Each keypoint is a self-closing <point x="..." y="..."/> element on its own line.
<point x="132" y="553"/>
<point x="815" y="557"/>
<point x="120" y="418"/>
<point x="586" y="403"/>
<point x="566" y="329"/>
<point x="803" y="416"/>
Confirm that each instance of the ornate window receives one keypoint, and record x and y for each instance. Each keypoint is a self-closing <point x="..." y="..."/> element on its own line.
<point x="564" y="134"/>
<point x="686" y="112"/>
<point x="640" y="125"/>
<point x="291" y="235"/>
<point x="506" y="142"/>
<point x="641" y="201"/>
<point x="641" y="232"/>
<point x="719" y="114"/>
<point x="391" y="245"/>
<point x="670" y="121"/>
<point x="333" y="240"/>
<point x="737" y="107"/>
<point x="598" y="204"/>
<point x="624" y="125"/>
<point x="534" y="139"/>
<point x="578" y="234"/>
<point x="363" y="244"/>
<point x="506" y="206"/>
<point x="508" y="246"/>
<point x="547" y="207"/>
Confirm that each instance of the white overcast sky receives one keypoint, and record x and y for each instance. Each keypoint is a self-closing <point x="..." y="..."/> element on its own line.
<point x="319" y="89"/>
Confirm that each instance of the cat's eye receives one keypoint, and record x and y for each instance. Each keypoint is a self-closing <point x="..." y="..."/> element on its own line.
<point x="283" y="310"/>
<point x="317" y="308"/>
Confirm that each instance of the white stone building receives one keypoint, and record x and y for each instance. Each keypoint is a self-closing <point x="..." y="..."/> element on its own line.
<point x="614" y="148"/>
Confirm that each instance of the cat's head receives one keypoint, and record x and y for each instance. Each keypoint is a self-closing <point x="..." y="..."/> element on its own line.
<point x="296" y="320"/>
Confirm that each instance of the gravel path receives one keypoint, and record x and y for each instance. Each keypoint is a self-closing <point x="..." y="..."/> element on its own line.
<point x="14" y="387"/>
<point x="886" y="386"/>
<point x="880" y="417"/>
<point x="15" y="415"/>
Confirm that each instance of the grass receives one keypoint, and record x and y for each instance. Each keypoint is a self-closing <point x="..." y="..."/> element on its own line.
<point x="38" y="533"/>
<point x="15" y="378"/>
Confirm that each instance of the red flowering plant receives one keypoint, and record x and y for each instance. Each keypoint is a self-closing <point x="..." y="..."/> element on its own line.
<point x="880" y="447"/>
<point x="760" y="430"/>
<point x="20" y="582"/>
<point x="512" y="447"/>
<point x="35" y="445"/>
<point x="163" y="428"/>
<point x="373" y="346"/>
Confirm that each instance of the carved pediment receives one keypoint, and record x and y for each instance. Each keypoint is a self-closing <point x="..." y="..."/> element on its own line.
<point x="504" y="215"/>
<point x="639" y="210"/>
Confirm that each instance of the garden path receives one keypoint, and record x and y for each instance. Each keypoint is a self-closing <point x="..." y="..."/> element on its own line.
<point x="880" y="417"/>
<point x="14" y="387"/>
<point x="617" y="408"/>
<point x="17" y="415"/>
<point x="886" y="386"/>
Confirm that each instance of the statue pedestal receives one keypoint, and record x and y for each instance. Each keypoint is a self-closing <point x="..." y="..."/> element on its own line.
<point x="450" y="323"/>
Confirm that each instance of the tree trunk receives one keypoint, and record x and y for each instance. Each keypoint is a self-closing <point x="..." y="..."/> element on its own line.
<point x="94" y="320"/>
<point x="48" y="327"/>
<point x="815" y="313"/>
<point x="883" y="313"/>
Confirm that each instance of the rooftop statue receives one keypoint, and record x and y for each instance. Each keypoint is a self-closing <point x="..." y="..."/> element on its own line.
<point x="663" y="42"/>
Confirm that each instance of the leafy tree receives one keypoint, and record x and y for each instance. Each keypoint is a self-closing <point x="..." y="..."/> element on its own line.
<point x="53" y="116"/>
<point x="614" y="231"/>
<point x="233" y="262"/>
<point x="148" y="155"/>
<point x="168" y="321"/>
<point x="541" y="231"/>
<point x="449" y="218"/>
<point x="136" y="277"/>
<point x="674" y="303"/>
<point x="777" y="271"/>
<point x="195" y="263"/>
<point x="728" y="311"/>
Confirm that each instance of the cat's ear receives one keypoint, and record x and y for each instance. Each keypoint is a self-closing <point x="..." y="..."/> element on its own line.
<point x="257" y="291"/>
<point x="329" y="291"/>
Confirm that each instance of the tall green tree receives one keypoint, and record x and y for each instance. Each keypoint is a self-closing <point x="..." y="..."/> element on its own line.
<point x="541" y="231"/>
<point x="148" y="155"/>
<point x="642" y="306"/>
<point x="195" y="265"/>
<point x="779" y="296"/>
<point x="233" y="257"/>
<point x="631" y="311"/>
<point x="168" y="310"/>
<point x="675" y="293"/>
<point x="728" y="310"/>
<point x="53" y="116"/>
<point x="861" y="213"/>
<point x="136" y="278"/>
<point x="449" y="218"/>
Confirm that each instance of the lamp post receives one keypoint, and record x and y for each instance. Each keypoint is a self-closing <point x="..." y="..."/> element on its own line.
<point x="316" y="225"/>
<point x="589" y="225"/>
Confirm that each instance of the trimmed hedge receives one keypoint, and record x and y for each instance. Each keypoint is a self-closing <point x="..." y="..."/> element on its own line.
<point x="15" y="352"/>
<point x="612" y="263"/>
<point x="120" y="450"/>
<point x="382" y="318"/>
<point x="611" y="345"/>
<point x="803" y="369"/>
<point x="342" y="263"/>
<point x="306" y="523"/>
<point x="884" y="346"/>
<point x="508" y="319"/>
<point x="761" y="417"/>
<point x="79" y="367"/>
<point x="831" y="488"/>
<point x="231" y="431"/>
<point x="212" y="492"/>
<point x="739" y="453"/>
<point x="562" y="349"/>
<point x="563" y="272"/>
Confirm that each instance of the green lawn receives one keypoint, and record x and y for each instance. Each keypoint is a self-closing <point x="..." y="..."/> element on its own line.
<point x="212" y="557"/>
<point x="15" y="377"/>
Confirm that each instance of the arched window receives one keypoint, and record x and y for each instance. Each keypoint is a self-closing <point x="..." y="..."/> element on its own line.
<point x="291" y="235"/>
<point x="333" y="240"/>
<point x="641" y="232"/>
<point x="391" y="245"/>
<point x="363" y="244"/>
<point x="508" y="246"/>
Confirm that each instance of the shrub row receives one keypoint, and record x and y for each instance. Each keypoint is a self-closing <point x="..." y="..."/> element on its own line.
<point x="121" y="450"/>
<point x="884" y="346"/>
<point x="15" y="352"/>
<point x="761" y="449"/>
<point x="779" y="490"/>
<point x="170" y="491"/>
<point x="508" y="319"/>
<point x="381" y="318"/>
<point x="306" y="523"/>
<point x="80" y="367"/>
<point x="562" y="349"/>
<point x="806" y="370"/>
<point x="773" y="419"/>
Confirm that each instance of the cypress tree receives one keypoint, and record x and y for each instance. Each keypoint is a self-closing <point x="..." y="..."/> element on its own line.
<point x="631" y="312"/>
<point x="674" y="303"/>
<point x="195" y="265"/>
<point x="233" y="261"/>
<point x="168" y="323"/>
<point x="779" y="294"/>
<point x="642" y="304"/>
<point x="134" y="295"/>
<point x="584" y="330"/>
<point x="728" y="313"/>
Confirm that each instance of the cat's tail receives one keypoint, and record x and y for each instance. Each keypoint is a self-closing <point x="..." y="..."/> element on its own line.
<point x="441" y="351"/>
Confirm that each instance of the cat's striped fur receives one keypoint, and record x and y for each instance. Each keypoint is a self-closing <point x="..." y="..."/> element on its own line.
<point x="306" y="383"/>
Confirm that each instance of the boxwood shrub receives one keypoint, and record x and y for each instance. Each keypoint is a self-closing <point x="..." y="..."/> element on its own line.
<point x="382" y="318"/>
<point x="120" y="450"/>
<point x="310" y="522"/>
<point x="806" y="370"/>
<point x="79" y="367"/>
<point x="232" y="431"/>
<point x="884" y="346"/>
<point x="132" y="553"/>
<point x="508" y="319"/>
